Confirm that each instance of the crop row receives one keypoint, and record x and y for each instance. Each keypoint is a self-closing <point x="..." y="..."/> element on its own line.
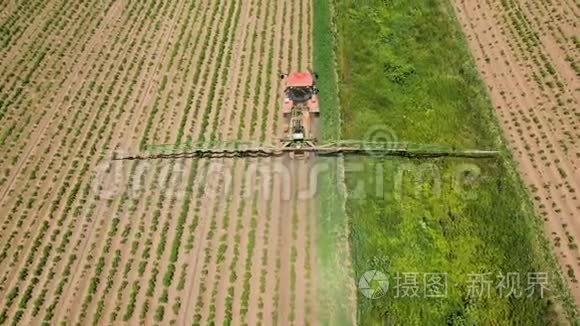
<point x="123" y="101"/>
<point x="100" y="131"/>
<point x="103" y="260"/>
<point x="61" y="192"/>
<point x="127" y="229"/>
<point x="159" y="311"/>
<point x="29" y="94"/>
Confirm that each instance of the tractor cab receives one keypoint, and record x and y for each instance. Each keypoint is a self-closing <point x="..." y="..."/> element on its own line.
<point x="300" y="89"/>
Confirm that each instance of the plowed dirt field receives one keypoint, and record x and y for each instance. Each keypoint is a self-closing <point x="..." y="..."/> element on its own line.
<point x="86" y="239"/>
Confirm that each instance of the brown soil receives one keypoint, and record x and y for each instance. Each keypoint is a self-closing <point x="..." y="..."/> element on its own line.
<point x="79" y="245"/>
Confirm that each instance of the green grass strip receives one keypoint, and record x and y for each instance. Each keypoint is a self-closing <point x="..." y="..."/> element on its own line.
<point x="333" y="269"/>
<point x="405" y="67"/>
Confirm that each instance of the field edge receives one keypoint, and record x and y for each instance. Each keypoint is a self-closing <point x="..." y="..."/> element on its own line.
<point x="507" y="161"/>
<point x="336" y="287"/>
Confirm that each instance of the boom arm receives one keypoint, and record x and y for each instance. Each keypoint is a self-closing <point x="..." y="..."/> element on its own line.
<point x="344" y="147"/>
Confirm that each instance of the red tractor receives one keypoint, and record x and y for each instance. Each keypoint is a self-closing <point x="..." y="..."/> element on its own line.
<point x="300" y="109"/>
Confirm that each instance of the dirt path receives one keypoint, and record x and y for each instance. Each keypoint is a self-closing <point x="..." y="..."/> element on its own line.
<point x="536" y="96"/>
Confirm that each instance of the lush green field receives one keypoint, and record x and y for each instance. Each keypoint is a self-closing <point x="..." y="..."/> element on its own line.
<point x="404" y="69"/>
